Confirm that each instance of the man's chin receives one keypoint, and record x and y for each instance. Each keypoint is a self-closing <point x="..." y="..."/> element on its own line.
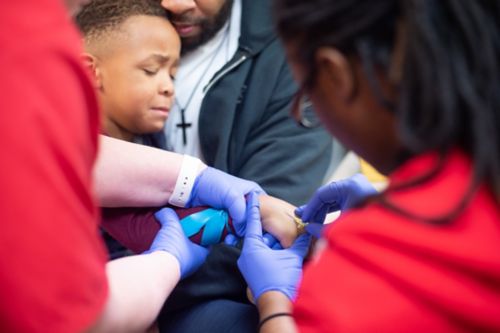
<point x="190" y="43"/>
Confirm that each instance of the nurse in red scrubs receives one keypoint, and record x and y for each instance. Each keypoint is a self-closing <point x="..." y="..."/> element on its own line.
<point x="413" y="88"/>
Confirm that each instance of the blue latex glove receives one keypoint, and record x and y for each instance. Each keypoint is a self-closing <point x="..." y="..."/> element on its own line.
<point x="266" y="269"/>
<point x="268" y="239"/>
<point x="171" y="238"/>
<point x="220" y="190"/>
<point x="315" y="229"/>
<point x="340" y="195"/>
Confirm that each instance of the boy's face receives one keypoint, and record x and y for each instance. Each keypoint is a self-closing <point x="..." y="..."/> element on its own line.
<point x="135" y="74"/>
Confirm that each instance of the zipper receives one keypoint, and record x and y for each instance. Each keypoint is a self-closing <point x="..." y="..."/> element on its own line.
<point x="223" y="72"/>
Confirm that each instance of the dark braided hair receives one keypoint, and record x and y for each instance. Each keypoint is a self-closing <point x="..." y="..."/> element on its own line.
<point x="99" y="16"/>
<point x="449" y="91"/>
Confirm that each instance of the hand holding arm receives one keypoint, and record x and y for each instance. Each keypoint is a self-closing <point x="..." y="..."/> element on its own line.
<point x="266" y="269"/>
<point x="139" y="285"/>
<point x="171" y="239"/>
<point x="218" y="189"/>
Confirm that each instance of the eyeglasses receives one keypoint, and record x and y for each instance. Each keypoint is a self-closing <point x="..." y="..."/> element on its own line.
<point x="302" y="110"/>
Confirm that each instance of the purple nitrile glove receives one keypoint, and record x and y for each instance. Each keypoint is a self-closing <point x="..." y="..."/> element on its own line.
<point x="268" y="239"/>
<point x="315" y="229"/>
<point x="220" y="190"/>
<point x="266" y="269"/>
<point x="170" y="238"/>
<point x="340" y="195"/>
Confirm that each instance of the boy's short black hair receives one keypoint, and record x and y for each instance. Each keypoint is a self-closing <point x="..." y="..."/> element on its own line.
<point x="100" y="16"/>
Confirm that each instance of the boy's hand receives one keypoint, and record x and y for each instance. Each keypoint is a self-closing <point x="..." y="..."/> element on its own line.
<point x="277" y="219"/>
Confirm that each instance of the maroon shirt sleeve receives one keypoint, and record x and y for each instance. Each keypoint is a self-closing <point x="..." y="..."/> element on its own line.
<point x="135" y="228"/>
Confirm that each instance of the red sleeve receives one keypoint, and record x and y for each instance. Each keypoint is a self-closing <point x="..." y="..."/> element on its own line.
<point x="380" y="272"/>
<point x="52" y="276"/>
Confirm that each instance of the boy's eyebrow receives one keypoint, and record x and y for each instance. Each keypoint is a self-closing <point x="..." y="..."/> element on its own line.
<point x="159" y="58"/>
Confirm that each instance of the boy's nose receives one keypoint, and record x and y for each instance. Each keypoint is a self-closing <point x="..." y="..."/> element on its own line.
<point x="178" y="7"/>
<point x="167" y="87"/>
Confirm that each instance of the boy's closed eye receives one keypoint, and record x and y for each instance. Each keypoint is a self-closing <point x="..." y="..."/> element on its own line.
<point x="150" y="71"/>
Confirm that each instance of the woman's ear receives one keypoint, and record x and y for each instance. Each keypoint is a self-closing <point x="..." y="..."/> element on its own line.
<point x="91" y="62"/>
<point x="336" y="68"/>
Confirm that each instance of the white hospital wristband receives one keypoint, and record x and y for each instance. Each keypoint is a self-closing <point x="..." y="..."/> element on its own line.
<point x="190" y="168"/>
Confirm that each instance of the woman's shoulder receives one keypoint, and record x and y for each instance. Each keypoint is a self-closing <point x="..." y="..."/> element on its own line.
<point x="411" y="265"/>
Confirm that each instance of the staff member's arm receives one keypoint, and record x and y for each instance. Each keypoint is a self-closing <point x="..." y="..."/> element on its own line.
<point x="132" y="175"/>
<point x="272" y="275"/>
<point x="139" y="285"/>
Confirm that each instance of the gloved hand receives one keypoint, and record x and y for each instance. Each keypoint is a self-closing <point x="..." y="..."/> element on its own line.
<point x="268" y="239"/>
<point x="220" y="190"/>
<point x="170" y="238"/>
<point x="340" y="195"/>
<point x="266" y="269"/>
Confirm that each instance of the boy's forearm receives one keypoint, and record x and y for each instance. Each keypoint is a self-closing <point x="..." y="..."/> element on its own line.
<point x="134" y="228"/>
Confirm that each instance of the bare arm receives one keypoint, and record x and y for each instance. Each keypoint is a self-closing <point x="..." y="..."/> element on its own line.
<point x="138" y="287"/>
<point x="133" y="175"/>
<point x="273" y="302"/>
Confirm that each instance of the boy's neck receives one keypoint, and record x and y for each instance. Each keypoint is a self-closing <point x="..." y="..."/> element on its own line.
<point x="116" y="131"/>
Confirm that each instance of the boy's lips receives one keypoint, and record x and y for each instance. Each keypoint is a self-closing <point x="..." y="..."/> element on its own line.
<point x="161" y="109"/>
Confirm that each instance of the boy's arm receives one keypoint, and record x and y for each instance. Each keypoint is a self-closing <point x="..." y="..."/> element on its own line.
<point x="134" y="228"/>
<point x="278" y="219"/>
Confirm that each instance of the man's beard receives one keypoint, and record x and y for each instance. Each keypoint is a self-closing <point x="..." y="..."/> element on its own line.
<point x="208" y="27"/>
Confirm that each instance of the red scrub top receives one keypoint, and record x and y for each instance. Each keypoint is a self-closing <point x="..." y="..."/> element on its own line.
<point x="52" y="263"/>
<point x="382" y="272"/>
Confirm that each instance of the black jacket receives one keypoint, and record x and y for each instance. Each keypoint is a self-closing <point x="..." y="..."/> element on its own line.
<point x="245" y="126"/>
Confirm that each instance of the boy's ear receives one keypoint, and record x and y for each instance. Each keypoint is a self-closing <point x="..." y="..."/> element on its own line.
<point x="336" y="67"/>
<point x="91" y="62"/>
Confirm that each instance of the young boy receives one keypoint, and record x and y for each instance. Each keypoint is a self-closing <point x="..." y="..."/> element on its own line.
<point x="132" y="51"/>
